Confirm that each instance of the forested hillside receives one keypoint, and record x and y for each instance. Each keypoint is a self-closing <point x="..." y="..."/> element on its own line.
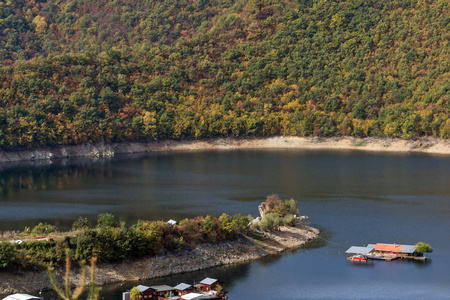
<point x="77" y="70"/>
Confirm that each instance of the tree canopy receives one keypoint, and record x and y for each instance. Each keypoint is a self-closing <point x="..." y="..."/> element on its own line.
<point x="73" y="71"/>
<point x="422" y="247"/>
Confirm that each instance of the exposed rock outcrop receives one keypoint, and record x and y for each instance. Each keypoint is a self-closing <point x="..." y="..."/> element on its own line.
<point x="427" y="145"/>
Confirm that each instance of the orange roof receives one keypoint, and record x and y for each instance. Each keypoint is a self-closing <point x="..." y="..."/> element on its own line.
<point x="388" y="247"/>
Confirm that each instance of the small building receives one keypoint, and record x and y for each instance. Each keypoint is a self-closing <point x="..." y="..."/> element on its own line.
<point x="22" y="297"/>
<point x="399" y="250"/>
<point x="209" y="284"/>
<point x="182" y="289"/>
<point x="387" y="251"/>
<point x="162" y="291"/>
<point x="145" y="293"/>
<point x="171" y="222"/>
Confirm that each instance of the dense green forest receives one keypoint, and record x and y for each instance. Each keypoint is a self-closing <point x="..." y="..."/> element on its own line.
<point x="74" y="71"/>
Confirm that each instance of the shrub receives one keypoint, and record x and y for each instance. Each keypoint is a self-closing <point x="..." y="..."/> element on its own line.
<point x="40" y="252"/>
<point x="275" y="205"/>
<point x="212" y="229"/>
<point x="191" y="230"/>
<point x="226" y="224"/>
<point x="421" y="247"/>
<point x="80" y="224"/>
<point x="281" y="210"/>
<point x="40" y="229"/>
<point x="270" y="222"/>
<point x="291" y="206"/>
<point x="8" y="254"/>
<point x="272" y="201"/>
<point x="86" y="245"/>
<point x="240" y="223"/>
<point x="134" y="293"/>
<point x="288" y="220"/>
<point x="106" y="220"/>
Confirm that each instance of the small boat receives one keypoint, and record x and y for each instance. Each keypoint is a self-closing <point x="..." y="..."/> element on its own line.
<point x="358" y="258"/>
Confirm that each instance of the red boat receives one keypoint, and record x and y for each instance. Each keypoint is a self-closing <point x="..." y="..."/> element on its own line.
<point x="358" y="258"/>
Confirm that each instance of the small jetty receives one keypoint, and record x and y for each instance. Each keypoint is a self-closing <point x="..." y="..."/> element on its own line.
<point x="387" y="252"/>
<point x="208" y="288"/>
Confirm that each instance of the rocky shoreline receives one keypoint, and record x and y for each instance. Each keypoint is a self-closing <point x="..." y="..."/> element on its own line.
<point x="99" y="150"/>
<point x="201" y="257"/>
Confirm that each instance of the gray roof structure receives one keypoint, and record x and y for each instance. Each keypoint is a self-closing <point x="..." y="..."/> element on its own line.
<point x="359" y="250"/>
<point x="408" y="249"/>
<point x="182" y="286"/>
<point x="369" y="247"/>
<point x="162" y="288"/>
<point x="142" y="288"/>
<point x="208" y="281"/>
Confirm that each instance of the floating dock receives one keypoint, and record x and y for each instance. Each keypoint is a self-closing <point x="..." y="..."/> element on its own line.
<point x="387" y="252"/>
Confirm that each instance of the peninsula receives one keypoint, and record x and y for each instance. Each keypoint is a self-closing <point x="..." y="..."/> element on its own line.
<point x="275" y="232"/>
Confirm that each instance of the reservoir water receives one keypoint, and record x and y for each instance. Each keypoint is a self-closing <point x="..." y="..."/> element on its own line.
<point x="356" y="198"/>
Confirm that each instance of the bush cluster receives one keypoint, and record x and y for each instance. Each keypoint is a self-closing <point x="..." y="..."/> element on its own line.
<point x="112" y="241"/>
<point x="275" y="205"/>
<point x="40" y="229"/>
<point x="278" y="213"/>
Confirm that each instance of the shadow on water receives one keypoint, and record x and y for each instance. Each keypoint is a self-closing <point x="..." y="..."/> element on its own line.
<point x="320" y="242"/>
<point x="317" y="243"/>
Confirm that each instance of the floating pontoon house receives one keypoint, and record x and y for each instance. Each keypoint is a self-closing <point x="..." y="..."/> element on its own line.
<point x="387" y="251"/>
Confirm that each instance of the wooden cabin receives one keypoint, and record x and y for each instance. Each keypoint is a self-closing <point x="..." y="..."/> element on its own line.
<point x="145" y="293"/>
<point x="209" y="284"/>
<point x="183" y="289"/>
<point x="151" y="292"/>
<point x="162" y="292"/>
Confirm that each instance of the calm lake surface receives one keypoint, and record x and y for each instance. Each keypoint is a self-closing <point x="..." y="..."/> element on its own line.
<point x="356" y="198"/>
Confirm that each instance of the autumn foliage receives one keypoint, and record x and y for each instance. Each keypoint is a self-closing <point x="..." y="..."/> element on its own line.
<point x="92" y="71"/>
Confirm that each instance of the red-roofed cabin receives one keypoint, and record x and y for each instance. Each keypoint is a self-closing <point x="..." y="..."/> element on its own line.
<point x="183" y="289"/>
<point x="145" y="293"/>
<point x="399" y="250"/>
<point x="209" y="284"/>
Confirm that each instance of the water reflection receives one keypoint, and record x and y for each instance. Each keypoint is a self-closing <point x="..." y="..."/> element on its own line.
<point x="357" y="198"/>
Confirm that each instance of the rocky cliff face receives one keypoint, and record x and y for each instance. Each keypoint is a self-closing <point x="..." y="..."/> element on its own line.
<point x="85" y="150"/>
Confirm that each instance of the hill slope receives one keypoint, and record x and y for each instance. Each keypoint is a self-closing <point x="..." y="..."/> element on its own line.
<point x="77" y="71"/>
